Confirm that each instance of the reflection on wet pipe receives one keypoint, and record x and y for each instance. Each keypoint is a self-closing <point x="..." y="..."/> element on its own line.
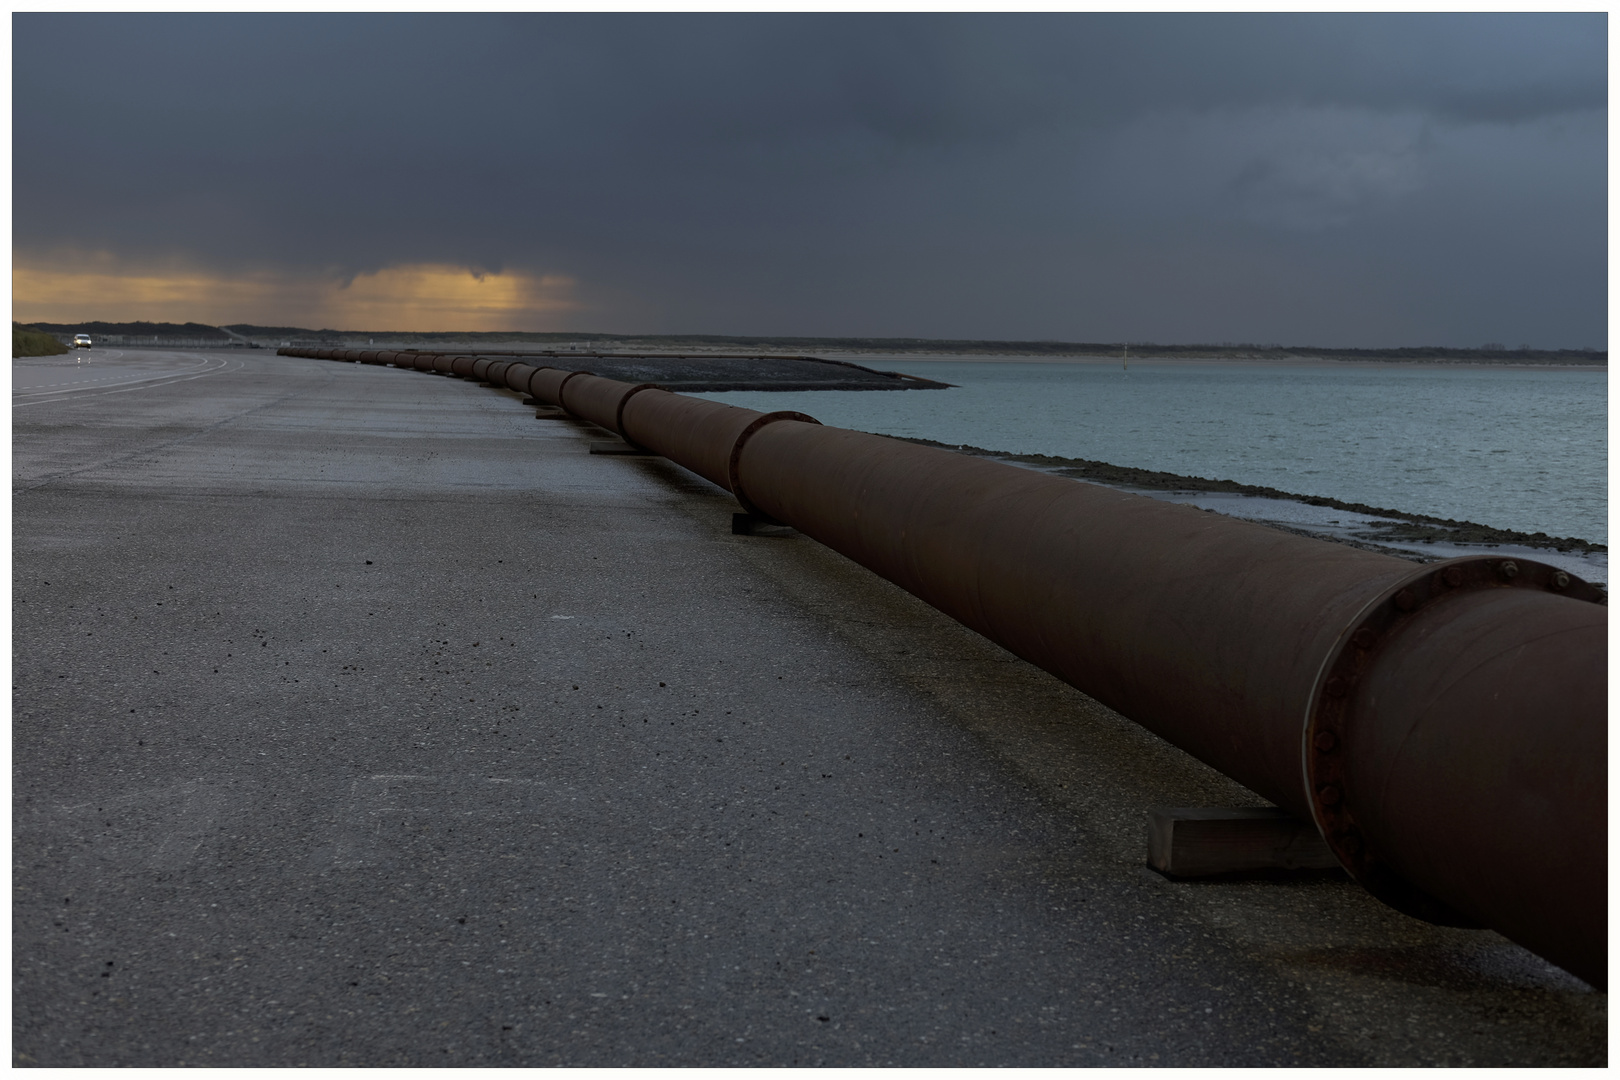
<point x="1443" y="724"/>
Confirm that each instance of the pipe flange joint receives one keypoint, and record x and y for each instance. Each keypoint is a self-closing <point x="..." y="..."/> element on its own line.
<point x="562" y="385"/>
<point x="528" y="386"/>
<point x="618" y="414"/>
<point x="1329" y="717"/>
<point x="733" y="465"/>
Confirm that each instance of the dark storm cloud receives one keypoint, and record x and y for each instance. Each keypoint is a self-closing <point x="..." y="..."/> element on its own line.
<point x="1349" y="179"/>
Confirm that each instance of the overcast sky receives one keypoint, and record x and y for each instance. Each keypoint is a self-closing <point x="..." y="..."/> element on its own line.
<point x="1349" y="180"/>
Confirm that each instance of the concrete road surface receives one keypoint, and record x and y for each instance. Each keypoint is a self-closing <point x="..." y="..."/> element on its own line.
<point x="361" y="718"/>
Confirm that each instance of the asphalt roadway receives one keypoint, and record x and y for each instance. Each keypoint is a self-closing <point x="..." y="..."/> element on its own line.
<point x="362" y="718"/>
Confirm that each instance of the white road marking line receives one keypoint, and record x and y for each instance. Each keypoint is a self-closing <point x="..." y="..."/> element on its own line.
<point x="203" y="363"/>
<point x="149" y="383"/>
<point x="71" y="387"/>
<point x="200" y="361"/>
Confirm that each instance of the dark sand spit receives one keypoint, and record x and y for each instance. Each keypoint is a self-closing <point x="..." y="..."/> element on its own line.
<point x="708" y="373"/>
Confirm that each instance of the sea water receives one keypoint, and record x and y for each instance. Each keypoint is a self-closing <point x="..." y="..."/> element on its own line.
<point x="1511" y="448"/>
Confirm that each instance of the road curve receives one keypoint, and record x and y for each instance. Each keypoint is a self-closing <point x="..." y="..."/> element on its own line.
<point x="37" y="379"/>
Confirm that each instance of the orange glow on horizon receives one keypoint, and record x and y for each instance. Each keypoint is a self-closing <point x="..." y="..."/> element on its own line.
<point x="414" y="297"/>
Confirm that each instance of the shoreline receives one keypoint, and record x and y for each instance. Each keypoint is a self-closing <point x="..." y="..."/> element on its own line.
<point x="872" y="359"/>
<point x="1419" y="537"/>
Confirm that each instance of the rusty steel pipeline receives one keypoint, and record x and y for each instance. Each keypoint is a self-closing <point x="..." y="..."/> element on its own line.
<point x="1288" y="663"/>
<point x="517" y="378"/>
<point x="547" y="384"/>
<point x="1443" y="724"/>
<point x="596" y="399"/>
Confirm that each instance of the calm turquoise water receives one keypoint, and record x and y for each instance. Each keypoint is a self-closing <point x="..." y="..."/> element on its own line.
<point x="1512" y="449"/>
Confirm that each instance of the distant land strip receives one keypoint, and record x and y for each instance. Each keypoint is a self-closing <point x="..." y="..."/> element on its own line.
<point x="138" y="333"/>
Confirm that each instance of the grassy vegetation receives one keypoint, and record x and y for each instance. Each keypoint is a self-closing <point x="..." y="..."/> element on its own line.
<point x="27" y="341"/>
